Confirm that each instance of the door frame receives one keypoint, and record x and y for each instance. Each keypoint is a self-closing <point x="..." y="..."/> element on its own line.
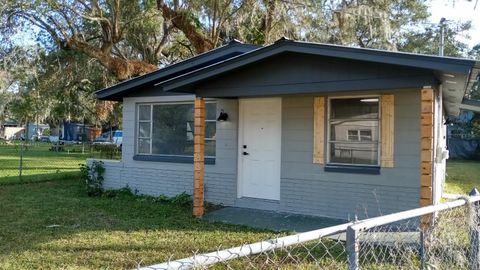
<point x="241" y="127"/>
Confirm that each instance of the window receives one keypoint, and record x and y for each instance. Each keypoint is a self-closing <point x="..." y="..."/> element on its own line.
<point x="353" y="131"/>
<point x="359" y="135"/>
<point x="167" y="129"/>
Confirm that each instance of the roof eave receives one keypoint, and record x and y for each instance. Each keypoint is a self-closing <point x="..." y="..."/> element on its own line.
<point x="413" y="60"/>
<point x="111" y="93"/>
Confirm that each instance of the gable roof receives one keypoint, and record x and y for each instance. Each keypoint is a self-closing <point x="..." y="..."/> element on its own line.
<point x="455" y="74"/>
<point x="446" y="64"/>
<point x="118" y="91"/>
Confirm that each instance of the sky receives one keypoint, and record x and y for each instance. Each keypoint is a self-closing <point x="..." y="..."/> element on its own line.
<point x="458" y="10"/>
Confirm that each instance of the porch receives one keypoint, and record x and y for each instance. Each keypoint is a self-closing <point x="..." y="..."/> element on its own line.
<point x="271" y="220"/>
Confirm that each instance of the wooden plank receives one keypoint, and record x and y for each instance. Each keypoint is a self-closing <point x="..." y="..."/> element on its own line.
<point x="198" y="158"/>
<point x="318" y="130"/>
<point x="426" y="167"/>
<point x="426" y="145"/>
<point x="198" y="112"/>
<point x="198" y="140"/>
<point x="426" y="131"/>
<point x="197" y="174"/>
<point x="426" y="193"/>
<point x="425" y="180"/>
<point x="199" y="130"/>
<point x="426" y="156"/>
<point x="427" y="119"/>
<point x="427" y="107"/>
<point x="425" y="202"/>
<point x="388" y="130"/>
<point x="427" y="94"/>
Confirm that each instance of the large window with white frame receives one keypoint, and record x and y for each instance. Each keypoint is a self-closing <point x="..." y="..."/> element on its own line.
<point x="167" y="129"/>
<point x="353" y="131"/>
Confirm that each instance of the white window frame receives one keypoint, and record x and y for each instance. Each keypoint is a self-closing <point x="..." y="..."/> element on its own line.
<point x="379" y="143"/>
<point x="358" y="135"/>
<point x="151" y="104"/>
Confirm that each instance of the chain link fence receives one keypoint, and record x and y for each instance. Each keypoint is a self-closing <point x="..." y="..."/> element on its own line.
<point x="444" y="236"/>
<point x="35" y="161"/>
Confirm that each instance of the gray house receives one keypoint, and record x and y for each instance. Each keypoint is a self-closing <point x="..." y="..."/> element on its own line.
<point x="293" y="127"/>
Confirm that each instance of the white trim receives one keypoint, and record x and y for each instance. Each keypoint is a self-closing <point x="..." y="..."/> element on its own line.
<point x="240" y="148"/>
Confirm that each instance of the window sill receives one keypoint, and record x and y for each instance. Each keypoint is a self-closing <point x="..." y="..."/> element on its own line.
<point x="374" y="170"/>
<point x="172" y="159"/>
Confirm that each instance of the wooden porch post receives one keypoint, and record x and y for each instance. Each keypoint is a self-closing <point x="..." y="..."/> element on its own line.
<point x="199" y="157"/>
<point x="426" y="156"/>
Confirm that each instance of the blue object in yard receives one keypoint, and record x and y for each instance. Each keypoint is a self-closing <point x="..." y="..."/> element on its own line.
<point x="463" y="149"/>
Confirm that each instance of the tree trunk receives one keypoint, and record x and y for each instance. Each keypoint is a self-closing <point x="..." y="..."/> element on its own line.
<point x="182" y="21"/>
<point x="271" y="6"/>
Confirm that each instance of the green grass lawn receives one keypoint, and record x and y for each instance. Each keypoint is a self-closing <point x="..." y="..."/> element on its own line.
<point x="462" y="176"/>
<point x="40" y="164"/>
<point x="101" y="232"/>
<point x="48" y="224"/>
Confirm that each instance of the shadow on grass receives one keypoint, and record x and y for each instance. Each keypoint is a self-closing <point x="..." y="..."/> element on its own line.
<point x="40" y="177"/>
<point x="102" y="232"/>
<point x="53" y="167"/>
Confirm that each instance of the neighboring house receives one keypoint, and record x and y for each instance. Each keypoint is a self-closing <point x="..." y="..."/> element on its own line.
<point x="72" y="131"/>
<point x="312" y="129"/>
<point x="10" y="129"/>
<point x="35" y="130"/>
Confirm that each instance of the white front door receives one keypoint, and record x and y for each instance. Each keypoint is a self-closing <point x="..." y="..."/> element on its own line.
<point x="260" y="148"/>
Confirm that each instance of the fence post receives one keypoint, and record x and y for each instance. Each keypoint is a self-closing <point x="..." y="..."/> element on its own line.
<point x="21" y="159"/>
<point x="423" y="248"/>
<point x="353" y="249"/>
<point x="474" y="232"/>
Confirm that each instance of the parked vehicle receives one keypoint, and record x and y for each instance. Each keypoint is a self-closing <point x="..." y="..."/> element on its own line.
<point x="44" y="139"/>
<point x="105" y="138"/>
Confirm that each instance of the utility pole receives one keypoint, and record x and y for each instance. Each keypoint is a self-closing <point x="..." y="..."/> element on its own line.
<point x="443" y="25"/>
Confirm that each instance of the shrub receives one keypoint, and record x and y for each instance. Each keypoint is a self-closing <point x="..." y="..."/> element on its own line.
<point x="107" y="150"/>
<point x="125" y="192"/>
<point x="93" y="177"/>
<point x="181" y="199"/>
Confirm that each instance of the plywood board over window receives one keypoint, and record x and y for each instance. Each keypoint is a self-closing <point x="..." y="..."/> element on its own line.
<point x="373" y="112"/>
<point x="319" y="130"/>
<point x="388" y="131"/>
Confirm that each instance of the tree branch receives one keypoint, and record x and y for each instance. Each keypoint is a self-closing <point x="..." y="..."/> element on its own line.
<point x="182" y="22"/>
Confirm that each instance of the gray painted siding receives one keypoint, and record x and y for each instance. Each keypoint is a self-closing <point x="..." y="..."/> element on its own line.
<point x="294" y="73"/>
<point x="307" y="189"/>
<point x="170" y="179"/>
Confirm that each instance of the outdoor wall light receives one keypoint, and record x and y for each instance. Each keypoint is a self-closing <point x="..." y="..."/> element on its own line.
<point x="223" y="116"/>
